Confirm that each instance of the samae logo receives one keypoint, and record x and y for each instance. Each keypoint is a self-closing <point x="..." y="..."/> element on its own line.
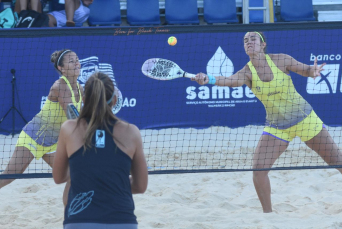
<point x="328" y="82"/>
<point x="215" y="96"/>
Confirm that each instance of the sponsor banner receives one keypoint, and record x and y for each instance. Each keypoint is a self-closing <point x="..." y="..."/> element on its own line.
<point x="178" y="103"/>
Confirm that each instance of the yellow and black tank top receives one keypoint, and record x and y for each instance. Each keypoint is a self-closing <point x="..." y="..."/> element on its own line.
<point x="285" y="107"/>
<point x="45" y="126"/>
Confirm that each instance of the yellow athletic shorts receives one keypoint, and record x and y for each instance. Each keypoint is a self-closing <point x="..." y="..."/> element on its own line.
<point x="306" y="129"/>
<point x="37" y="150"/>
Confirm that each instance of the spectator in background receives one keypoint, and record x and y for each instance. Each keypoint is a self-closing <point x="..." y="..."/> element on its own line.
<point x="76" y="11"/>
<point x="36" y="5"/>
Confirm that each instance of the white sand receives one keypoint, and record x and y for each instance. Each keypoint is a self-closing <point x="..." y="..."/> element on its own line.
<point x="301" y="199"/>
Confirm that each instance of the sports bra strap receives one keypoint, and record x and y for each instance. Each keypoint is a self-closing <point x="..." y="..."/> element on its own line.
<point x="78" y="104"/>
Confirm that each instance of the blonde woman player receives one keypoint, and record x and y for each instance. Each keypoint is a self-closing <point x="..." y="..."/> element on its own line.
<point x="40" y="135"/>
<point x="288" y="114"/>
<point x="101" y="151"/>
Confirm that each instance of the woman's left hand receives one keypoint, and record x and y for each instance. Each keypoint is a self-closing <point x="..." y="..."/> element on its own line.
<point x="317" y="69"/>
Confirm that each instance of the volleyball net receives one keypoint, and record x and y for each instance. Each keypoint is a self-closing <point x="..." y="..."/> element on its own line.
<point x="185" y="127"/>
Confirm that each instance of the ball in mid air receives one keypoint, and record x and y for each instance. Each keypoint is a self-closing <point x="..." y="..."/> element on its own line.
<point x="172" y="41"/>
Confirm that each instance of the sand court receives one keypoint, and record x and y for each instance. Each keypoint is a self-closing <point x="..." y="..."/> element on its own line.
<point x="301" y="198"/>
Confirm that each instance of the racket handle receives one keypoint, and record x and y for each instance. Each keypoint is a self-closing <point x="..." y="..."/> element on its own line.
<point x="189" y="75"/>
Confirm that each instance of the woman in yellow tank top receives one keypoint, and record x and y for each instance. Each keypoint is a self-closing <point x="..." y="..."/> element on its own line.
<point x="288" y="114"/>
<point x="39" y="137"/>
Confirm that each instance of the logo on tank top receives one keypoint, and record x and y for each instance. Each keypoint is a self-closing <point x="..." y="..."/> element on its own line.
<point x="273" y="93"/>
<point x="80" y="202"/>
<point x="327" y="83"/>
<point x="100" y="139"/>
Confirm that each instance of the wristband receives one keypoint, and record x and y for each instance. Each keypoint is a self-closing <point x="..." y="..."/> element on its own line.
<point x="212" y="79"/>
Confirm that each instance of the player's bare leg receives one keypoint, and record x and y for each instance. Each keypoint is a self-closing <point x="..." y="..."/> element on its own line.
<point x="18" y="163"/>
<point x="267" y="152"/>
<point x="324" y="145"/>
<point x="48" y="158"/>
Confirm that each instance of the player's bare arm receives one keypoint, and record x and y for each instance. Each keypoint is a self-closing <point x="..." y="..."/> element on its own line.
<point x="303" y="69"/>
<point x="238" y="79"/>
<point x="59" y="92"/>
<point x="54" y="92"/>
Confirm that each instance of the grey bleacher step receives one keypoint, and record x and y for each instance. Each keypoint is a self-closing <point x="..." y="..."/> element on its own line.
<point x="329" y="15"/>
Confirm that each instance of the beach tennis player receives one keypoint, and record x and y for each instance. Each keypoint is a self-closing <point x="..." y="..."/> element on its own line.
<point x="39" y="137"/>
<point x="100" y="151"/>
<point x="288" y="113"/>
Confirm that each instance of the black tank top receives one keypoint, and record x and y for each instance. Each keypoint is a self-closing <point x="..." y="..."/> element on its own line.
<point x="100" y="189"/>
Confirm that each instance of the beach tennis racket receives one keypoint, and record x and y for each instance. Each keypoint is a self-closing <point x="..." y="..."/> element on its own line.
<point x="161" y="69"/>
<point x="72" y="112"/>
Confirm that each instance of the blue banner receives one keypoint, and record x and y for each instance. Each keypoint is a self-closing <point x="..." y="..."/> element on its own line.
<point x="177" y="103"/>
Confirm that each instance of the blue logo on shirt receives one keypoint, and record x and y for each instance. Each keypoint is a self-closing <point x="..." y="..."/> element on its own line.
<point x="80" y="202"/>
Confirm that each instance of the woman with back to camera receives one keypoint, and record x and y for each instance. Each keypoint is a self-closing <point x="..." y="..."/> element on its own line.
<point x="101" y="151"/>
<point x="288" y="114"/>
<point x="39" y="137"/>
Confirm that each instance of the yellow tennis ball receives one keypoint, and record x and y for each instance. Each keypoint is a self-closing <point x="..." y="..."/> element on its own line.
<point x="172" y="41"/>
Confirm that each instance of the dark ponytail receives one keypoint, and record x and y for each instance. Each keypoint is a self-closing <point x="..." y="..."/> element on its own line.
<point x="98" y="90"/>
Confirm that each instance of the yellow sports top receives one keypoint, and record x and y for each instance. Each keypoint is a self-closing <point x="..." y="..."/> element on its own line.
<point x="285" y="107"/>
<point x="45" y="126"/>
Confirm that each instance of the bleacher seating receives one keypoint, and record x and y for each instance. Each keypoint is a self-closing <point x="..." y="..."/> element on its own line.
<point x="143" y="12"/>
<point x="220" y="11"/>
<point x="181" y="12"/>
<point x="335" y="15"/>
<point x="105" y="12"/>
<point x="297" y="10"/>
<point x="151" y="12"/>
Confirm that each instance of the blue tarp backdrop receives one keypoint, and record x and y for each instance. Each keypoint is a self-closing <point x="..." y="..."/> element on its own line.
<point x="178" y="103"/>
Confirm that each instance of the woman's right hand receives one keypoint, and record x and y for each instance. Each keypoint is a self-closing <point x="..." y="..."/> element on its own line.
<point x="201" y="78"/>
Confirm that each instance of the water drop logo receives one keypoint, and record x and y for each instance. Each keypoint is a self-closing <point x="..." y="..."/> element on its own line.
<point x="220" y="64"/>
<point x="327" y="83"/>
<point x="80" y="202"/>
